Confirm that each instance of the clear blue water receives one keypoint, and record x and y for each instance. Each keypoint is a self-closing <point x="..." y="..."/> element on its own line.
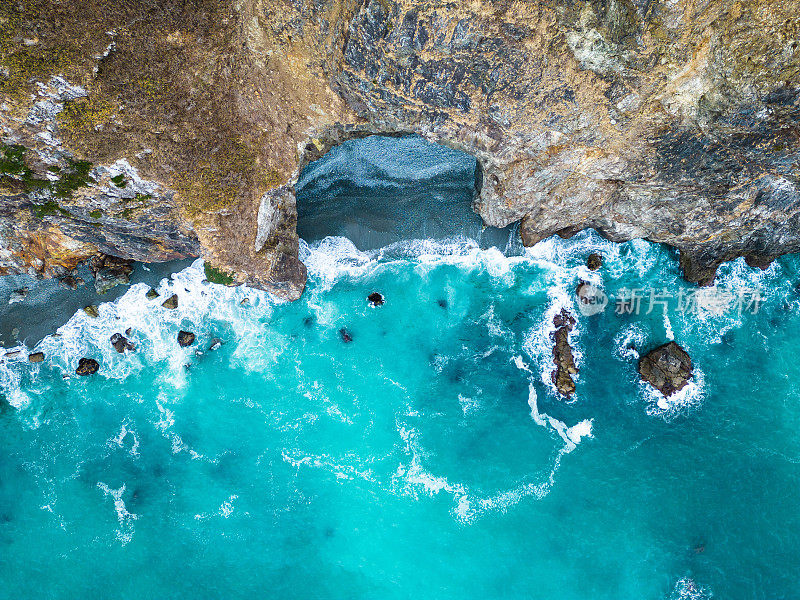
<point x="428" y="458"/>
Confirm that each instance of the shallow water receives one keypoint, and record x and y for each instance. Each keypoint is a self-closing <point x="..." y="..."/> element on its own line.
<point x="430" y="457"/>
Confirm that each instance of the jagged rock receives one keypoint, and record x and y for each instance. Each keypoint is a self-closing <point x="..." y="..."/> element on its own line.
<point x="92" y="311"/>
<point x="171" y="302"/>
<point x="667" y="368"/>
<point x="87" y="366"/>
<point x="244" y="302"/>
<point x="151" y="294"/>
<point x="36" y="357"/>
<point x="375" y="299"/>
<point x="594" y="261"/>
<point x="109" y="272"/>
<point x="562" y="354"/>
<point x="345" y="335"/>
<point x="18" y="295"/>
<point x="121" y="343"/>
<point x="71" y="281"/>
<point x="185" y="338"/>
<point x="639" y="122"/>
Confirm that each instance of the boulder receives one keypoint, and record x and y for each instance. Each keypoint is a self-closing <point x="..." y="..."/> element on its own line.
<point x="87" y="366"/>
<point x="151" y="294"/>
<point x="36" y="357"/>
<point x="109" y="272"/>
<point x="92" y="311"/>
<point x="667" y="368"/>
<point x="594" y="261"/>
<point x="345" y="335"/>
<point x="375" y="299"/>
<point x="121" y="343"/>
<point x="185" y="338"/>
<point x="171" y="302"/>
<point x="562" y="354"/>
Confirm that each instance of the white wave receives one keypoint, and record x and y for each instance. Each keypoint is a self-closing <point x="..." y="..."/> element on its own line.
<point x="125" y="532"/>
<point x="687" y="589"/>
<point x="679" y="403"/>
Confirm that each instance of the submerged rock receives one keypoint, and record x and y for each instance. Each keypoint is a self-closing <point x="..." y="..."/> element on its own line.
<point x="171" y="302"/>
<point x="375" y="299"/>
<point x="345" y="335"/>
<point x="667" y="368"/>
<point x="71" y="281"/>
<point x="594" y="261"/>
<point x="151" y="294"/>
<point x="109" y="272"/>
<point x="121" y="343"/>
<point x="18" y="295"/>
<point x="216" y="343"/>
<point x="185" y="338"/>
<point x="87" y="366"/>
<point x="36" y="357"/>
<point x="92" y="311"/>
<point x="562" y="354"/>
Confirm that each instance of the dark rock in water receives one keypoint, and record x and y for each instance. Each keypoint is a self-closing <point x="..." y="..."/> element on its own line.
<point x="171" y="302"/>
<point x="375" y="299"/>
<point x="244" y="302"/>
<point x="594" y="261"/>
<point x="36" y="357"/>
<point x="185" y="338"/>
<point x="442" y="303"/>
<point x="128" y="331"/>
<point x="92" y="311"/>
<point x="668" y="368"/>
<point x="109" y="272"/>
<point x="87" y="366"/>
<point x="562" y="354"/>
<point x="121" y="343"/>
<point x="346" y="337"/>
<point x="18" y="295"/>
<point x="151" y="294"/>
<point x="215" y="344"/>
<point x="71" y="281"/>
<point x="308" y="321"/>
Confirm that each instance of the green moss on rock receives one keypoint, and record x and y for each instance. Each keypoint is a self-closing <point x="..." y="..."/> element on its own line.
<point x="218" y="276"/>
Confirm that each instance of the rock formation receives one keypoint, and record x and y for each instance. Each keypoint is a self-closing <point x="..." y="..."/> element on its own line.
<point x="562" y="354"/>
<point x="151" y="132"/>
<point x="87" y="366"/>
<point x="667" y="368"/>
<point x="121" y="343"/>
<point x="185" y="338"/>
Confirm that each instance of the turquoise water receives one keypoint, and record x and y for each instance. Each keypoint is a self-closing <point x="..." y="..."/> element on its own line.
<point x="430" y="456"/>
<point x="417" y="460"/>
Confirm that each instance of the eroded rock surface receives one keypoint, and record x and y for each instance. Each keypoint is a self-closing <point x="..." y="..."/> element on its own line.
<point x="667" y="368"/>
<point x="562" y="354"/>
<point x="158" y="132"/>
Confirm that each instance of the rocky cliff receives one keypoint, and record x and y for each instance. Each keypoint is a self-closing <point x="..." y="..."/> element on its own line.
<point x="156" y="130"/>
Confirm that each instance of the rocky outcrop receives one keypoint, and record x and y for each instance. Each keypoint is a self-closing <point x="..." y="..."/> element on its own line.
<point x="153" y="133"/>
<point x="87" y="366"/>
<point x="667" y="368"/>
<point x="121" y="343"/>
<point x="185" y="338"/>
<point x="562" y="354"/>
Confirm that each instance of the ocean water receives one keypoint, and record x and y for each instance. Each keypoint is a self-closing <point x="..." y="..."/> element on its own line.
<point x="429" y="457"/>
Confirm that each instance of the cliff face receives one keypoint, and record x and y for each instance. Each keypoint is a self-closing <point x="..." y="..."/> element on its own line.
<point x="154" y="131"/>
